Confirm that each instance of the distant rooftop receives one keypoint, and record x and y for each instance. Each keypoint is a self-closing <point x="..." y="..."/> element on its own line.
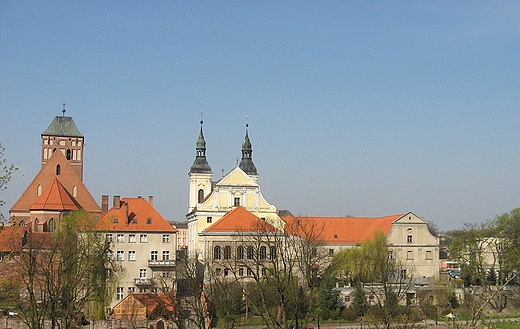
<point x="63" y="126"/>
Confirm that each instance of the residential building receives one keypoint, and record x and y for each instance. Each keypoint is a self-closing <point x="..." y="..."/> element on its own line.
<point x="144" y="243"/>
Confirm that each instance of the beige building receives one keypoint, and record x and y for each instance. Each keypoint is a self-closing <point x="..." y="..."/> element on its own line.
<point x="209" y="201"/>
<point x="143" y="242"/>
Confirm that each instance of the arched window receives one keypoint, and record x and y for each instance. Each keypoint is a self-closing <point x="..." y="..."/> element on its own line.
<point x="227" y="252"/>
<point x="263" y="252"/>
<point x="216" y="252"/>
<point x="58" y="170"/>
<point x="272" y="252"/>
<point x="250" y="252"/>
<point x="22" y="223"/>
<point x="68" y="154"/>
<point x="201" y="196"/>
<point x="35" y="229"/>
<point x="52" y="225"/>
<point x="240" y="252"/>
<point x="39" y="190"/>
<point x="75" y="191"/>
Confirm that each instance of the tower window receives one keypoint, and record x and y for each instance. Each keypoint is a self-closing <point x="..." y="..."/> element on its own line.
<point x="200" y="196"/>
<point x="58" y="170"/>
<point x="209" y="220"/>
<point x="409" y="239"/>
<point x="39" y="190"/>
<point x="68" y="154"/>
<point x="75" y="191"/>
<point x="237" y="202"/>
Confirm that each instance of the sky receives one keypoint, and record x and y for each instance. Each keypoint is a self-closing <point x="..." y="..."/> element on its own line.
<point x="360" y="108"/>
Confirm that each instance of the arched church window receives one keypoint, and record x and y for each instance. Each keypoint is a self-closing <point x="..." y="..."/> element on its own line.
<point x="39" y="190"/>
<point x="272" y="252"/>
<point x="263" y="252"/>
<point x="200" y="196"/>
<point x="58" y="170"/>
<point x="75" y="191"/>
<point x="52" y="225"/>
<point x="216" y="252"/>
<point x="68" y="154"/>
<point x="250" y="252"/>
<point x="240" y="252"/>
<point x="35" y="229"/>
<point x="227" y="252"/>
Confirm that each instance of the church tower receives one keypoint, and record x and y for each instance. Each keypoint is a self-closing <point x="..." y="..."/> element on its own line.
<point x="63" y="135"/>
<point x="246" y="164"/>
<point x="200" y="173"/>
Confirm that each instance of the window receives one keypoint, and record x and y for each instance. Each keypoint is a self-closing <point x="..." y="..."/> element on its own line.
<point x="331" y="252"/>
<point x="165" y="255"/>
<point x="240" y="252"/>
<point x="250" y="252"/>
<point x="200" y="195"/>
<point x="115" y="221"/>
<point x="39" y="190"/>
<point x="314" y="252"/>
<point x="218" y="271"/>
<point x="264" y="271"/>
<point x="154" y="255"/>
<point x="143" y="238"/>
<point x="131" y="255"/>
<point x="390" y="254"/>
<point x="409" y="239"/>
<point x="131" y="290"/>
<point x="148" y="220"/>
<point x="227" y="252"/>
<point x="120" y="255"/>
<point x="131" y="238"/>
<point x="216" y="252"/>
<point x="142" y="273"/>
<point x="120" y="293"/>
<point x="58" y="170"/>
<point x="409" y="254"/>
<point x="109" y="237"/>
<point x="249" y="272"/>
<point x="241" y="271"/>
<point x="166" y="238"/>
<point x="68" y="154"/>
<point x="429" y="254"/>
<point x="263" y="252"/>
<point x="226" y="271"/>
<point x="237" y="202"/>
<point x="120" y="238"/>
<point x="209" y="220"/>
<point x="272" y="252"/>
<point x="403" y="274"/>
<point x="52" y="225"/>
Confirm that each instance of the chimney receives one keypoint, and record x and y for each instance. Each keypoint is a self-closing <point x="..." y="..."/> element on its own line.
<point x="104" y="204"/>
<point x="150" y="200"/>
<point x="127" y="218"/>
<point x="117" y="201"/>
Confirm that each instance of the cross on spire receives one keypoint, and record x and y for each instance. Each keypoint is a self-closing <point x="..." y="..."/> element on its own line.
<point x="63" y="110"/>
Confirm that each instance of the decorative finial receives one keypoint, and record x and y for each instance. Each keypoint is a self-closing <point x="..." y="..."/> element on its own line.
<point x="247" y="124"/>
<point x="201" y="121"/>
<point x="237" y="161"/>
<point x="63" y="110"/>
<point x="222" y="172"/>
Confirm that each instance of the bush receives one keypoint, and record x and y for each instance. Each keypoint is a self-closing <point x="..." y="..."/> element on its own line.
<point x="349" y="314"/>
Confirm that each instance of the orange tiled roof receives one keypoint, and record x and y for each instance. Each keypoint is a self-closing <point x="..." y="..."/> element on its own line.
<point x="134" y="215"/>
<point x="240" y="220"/>
<point x="11" y="239"/>
<point x="151" y="301"/>
<point x="55" y="197"/>
<point x="347" y="230"/>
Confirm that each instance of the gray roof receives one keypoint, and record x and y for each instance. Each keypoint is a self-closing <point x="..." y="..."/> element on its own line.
<point x="63" y="126"/>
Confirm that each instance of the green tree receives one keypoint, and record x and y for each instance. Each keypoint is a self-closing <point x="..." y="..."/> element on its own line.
<point x="6" y="172"/>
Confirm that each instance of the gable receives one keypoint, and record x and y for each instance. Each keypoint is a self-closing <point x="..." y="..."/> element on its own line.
<point x="410" y="218"/>
<point x="55" y="197"/>
<point x="67" y="177"/>
<point x="240" y="220"/>
<point x="236" y="177"/>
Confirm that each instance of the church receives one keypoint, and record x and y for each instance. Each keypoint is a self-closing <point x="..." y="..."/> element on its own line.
<point x="220" y="211"/>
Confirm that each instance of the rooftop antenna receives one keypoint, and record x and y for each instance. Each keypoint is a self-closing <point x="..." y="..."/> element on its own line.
<point x="63" y="110"/>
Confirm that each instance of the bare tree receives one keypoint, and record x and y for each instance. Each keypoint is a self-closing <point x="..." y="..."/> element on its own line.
<point x="6" y="172"/>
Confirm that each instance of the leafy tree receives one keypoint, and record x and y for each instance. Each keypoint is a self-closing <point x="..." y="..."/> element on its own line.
<point x="359" y="300"/>
<point x="6" y="172"/>
<point x="327" y="301"/>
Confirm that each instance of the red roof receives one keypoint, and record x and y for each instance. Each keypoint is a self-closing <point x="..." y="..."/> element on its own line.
<point x="152" y="301"/>
<point x="55" y="197"/>
<point x="11" y="239"/>
<point x="240" y="220"/>
<point x="134" y="215"/>
<point x="351" y="230"/>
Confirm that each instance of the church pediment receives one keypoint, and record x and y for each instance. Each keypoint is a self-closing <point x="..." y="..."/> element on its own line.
<point x="237" y="177"/>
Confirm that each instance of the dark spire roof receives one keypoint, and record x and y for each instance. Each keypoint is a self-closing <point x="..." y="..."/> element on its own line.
<point x="201" y="165"/>
<point x="246" y="164"/>
<point x="63" y="126"/>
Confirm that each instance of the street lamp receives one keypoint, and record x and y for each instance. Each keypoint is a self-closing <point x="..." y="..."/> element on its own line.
<point x="436" y="314"/>
<point x="361" y="321"/>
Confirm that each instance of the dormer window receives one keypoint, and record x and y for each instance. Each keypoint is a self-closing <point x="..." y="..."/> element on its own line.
<point x="148" y="220"/>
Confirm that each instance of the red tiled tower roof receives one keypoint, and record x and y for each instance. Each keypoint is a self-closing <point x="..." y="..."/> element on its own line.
<point x="240" y="220"/>
<point x="55" y="197"/>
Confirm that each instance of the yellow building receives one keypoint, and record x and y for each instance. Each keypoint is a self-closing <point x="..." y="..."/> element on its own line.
<point x="209" y="201"/>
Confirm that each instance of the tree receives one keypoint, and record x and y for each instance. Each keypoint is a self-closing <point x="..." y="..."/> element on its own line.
<point x="66" y="273"/>
<point x="5" y="176"/>
<point x="383" y="277"/>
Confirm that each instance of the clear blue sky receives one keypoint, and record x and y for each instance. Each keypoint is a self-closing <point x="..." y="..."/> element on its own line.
<point x="362" y="108"/>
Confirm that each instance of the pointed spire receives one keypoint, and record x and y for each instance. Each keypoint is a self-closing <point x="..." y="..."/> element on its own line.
<point x="246" y="164"/>
<point x="201" y="165"/>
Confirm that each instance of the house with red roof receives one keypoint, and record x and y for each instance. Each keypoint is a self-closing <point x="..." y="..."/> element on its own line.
<point x="141" y="307"/>
<point x="143" y="242"/>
